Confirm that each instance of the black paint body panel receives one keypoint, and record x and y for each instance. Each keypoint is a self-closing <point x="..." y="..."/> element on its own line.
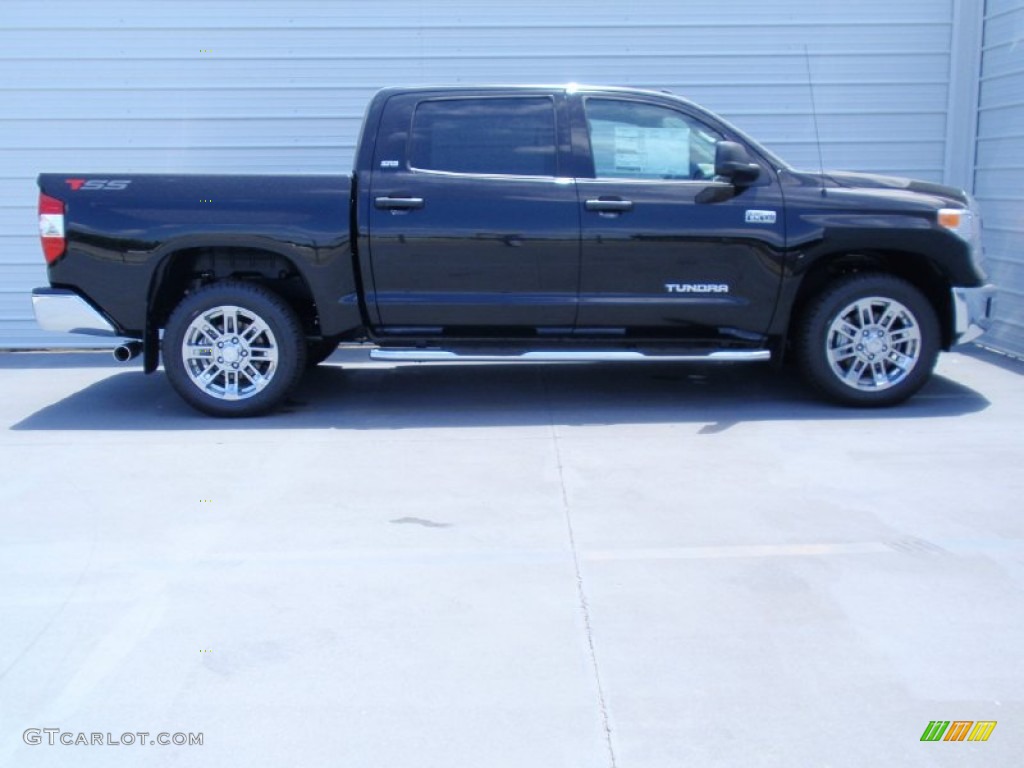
<point x="118" y="240"/>
<point x="509" y="256"/>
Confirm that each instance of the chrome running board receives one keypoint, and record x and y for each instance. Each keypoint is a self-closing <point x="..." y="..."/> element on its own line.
<point x="568" y="356"/>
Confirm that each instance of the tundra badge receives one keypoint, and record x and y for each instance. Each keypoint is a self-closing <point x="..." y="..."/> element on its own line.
<point x="697" y="287"/>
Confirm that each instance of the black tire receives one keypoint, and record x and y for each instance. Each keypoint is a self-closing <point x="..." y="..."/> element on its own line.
<point x="320" y="350"/>
<point x="263" y="346"/>
<point x="868" y="340"/>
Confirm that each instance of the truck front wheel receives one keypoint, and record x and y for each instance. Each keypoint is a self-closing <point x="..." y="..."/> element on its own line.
<point x="868" y="340"/>
<point x="233" y="349"/>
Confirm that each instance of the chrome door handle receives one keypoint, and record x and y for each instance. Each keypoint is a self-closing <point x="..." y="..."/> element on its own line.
<point x="398" y="203"/>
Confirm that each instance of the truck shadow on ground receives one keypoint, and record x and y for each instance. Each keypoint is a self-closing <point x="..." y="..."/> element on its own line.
<point x="444" y="396"/>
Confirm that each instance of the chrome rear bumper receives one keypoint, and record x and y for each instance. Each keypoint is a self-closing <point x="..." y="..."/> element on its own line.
<point x="972" y="312"/>
<point x="65" y="311"/>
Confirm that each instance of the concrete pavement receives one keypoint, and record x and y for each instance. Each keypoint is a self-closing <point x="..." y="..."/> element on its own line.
<point x="631" y="566"/>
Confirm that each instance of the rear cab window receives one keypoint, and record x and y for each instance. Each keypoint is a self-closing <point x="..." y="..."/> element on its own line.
<point x="513" y="136"/>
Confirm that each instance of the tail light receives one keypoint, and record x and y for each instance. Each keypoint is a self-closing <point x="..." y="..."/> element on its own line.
<point x="51" y="227"/>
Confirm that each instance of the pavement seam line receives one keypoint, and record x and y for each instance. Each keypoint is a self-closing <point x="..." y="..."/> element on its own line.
<point x="581" y="593"/>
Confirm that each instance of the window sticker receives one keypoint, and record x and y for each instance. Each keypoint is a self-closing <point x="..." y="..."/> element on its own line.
<point x="624" y="150"/>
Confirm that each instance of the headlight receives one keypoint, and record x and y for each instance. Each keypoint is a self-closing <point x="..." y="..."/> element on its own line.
<point x="966" y="223"/>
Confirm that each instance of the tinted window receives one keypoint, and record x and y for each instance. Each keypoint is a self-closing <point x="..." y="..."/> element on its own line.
<point x="507" y="136"/>
<point x="644" y="141"/>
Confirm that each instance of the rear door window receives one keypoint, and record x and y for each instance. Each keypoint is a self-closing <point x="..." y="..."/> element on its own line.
<point x="504" y="136"/>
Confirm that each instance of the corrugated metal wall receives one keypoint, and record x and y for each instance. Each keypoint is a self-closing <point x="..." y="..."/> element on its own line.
<point x="272" y="86"/>
<point x="999" y="175"/>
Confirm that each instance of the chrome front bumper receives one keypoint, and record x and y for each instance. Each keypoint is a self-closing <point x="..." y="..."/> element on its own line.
<point x="972" y="312"/>
<point x="67" y="312"/>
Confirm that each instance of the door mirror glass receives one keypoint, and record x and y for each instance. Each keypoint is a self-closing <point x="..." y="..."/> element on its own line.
<point x="733" y="163"/>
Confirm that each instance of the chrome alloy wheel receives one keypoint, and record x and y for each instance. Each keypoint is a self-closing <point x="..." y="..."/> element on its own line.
<point x="230" y="353"/>
<point x="873" y="344"/>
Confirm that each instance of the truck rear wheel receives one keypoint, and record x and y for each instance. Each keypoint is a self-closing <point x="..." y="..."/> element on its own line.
<point x="868" y="340"/>
<point x="233" y="349"/>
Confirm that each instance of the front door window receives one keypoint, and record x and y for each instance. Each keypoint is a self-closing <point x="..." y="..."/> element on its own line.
<point x="632" y="140"/>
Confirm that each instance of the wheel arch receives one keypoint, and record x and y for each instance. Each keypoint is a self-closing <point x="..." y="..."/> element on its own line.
<point x="190" y="267"/>
<point x="917" y="269"/>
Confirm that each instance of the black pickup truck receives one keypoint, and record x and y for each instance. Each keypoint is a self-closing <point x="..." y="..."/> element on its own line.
<point x="518" y="224"/>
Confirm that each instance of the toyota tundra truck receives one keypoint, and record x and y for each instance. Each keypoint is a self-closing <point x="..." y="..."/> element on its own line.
<point x="526" y="223"/>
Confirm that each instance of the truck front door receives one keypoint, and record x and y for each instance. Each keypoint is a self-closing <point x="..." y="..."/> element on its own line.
<point x="471" y="224"/>
<point x="666" y="248"/>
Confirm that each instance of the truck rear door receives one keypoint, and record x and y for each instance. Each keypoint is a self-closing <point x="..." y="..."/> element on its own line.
<point x="472" y="224"/>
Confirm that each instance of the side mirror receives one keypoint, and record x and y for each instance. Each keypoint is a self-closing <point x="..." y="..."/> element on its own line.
<point x="733" y="163"/>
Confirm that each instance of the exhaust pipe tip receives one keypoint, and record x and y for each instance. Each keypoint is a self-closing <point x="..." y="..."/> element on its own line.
<point x="128" y="351"/>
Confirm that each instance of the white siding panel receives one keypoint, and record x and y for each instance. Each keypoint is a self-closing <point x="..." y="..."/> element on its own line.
<point x="996" y="120"/>
<point x="999" y="174"/>
<point x="359" y="14"/>
<point x="17" y="217"/>
<point x="265" y="86"/>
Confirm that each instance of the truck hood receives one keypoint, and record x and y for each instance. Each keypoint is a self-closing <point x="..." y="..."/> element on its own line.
<point x="851" y="180"/>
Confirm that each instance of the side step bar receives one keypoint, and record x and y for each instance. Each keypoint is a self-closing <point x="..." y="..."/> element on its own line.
<point x="568" y="356"/>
